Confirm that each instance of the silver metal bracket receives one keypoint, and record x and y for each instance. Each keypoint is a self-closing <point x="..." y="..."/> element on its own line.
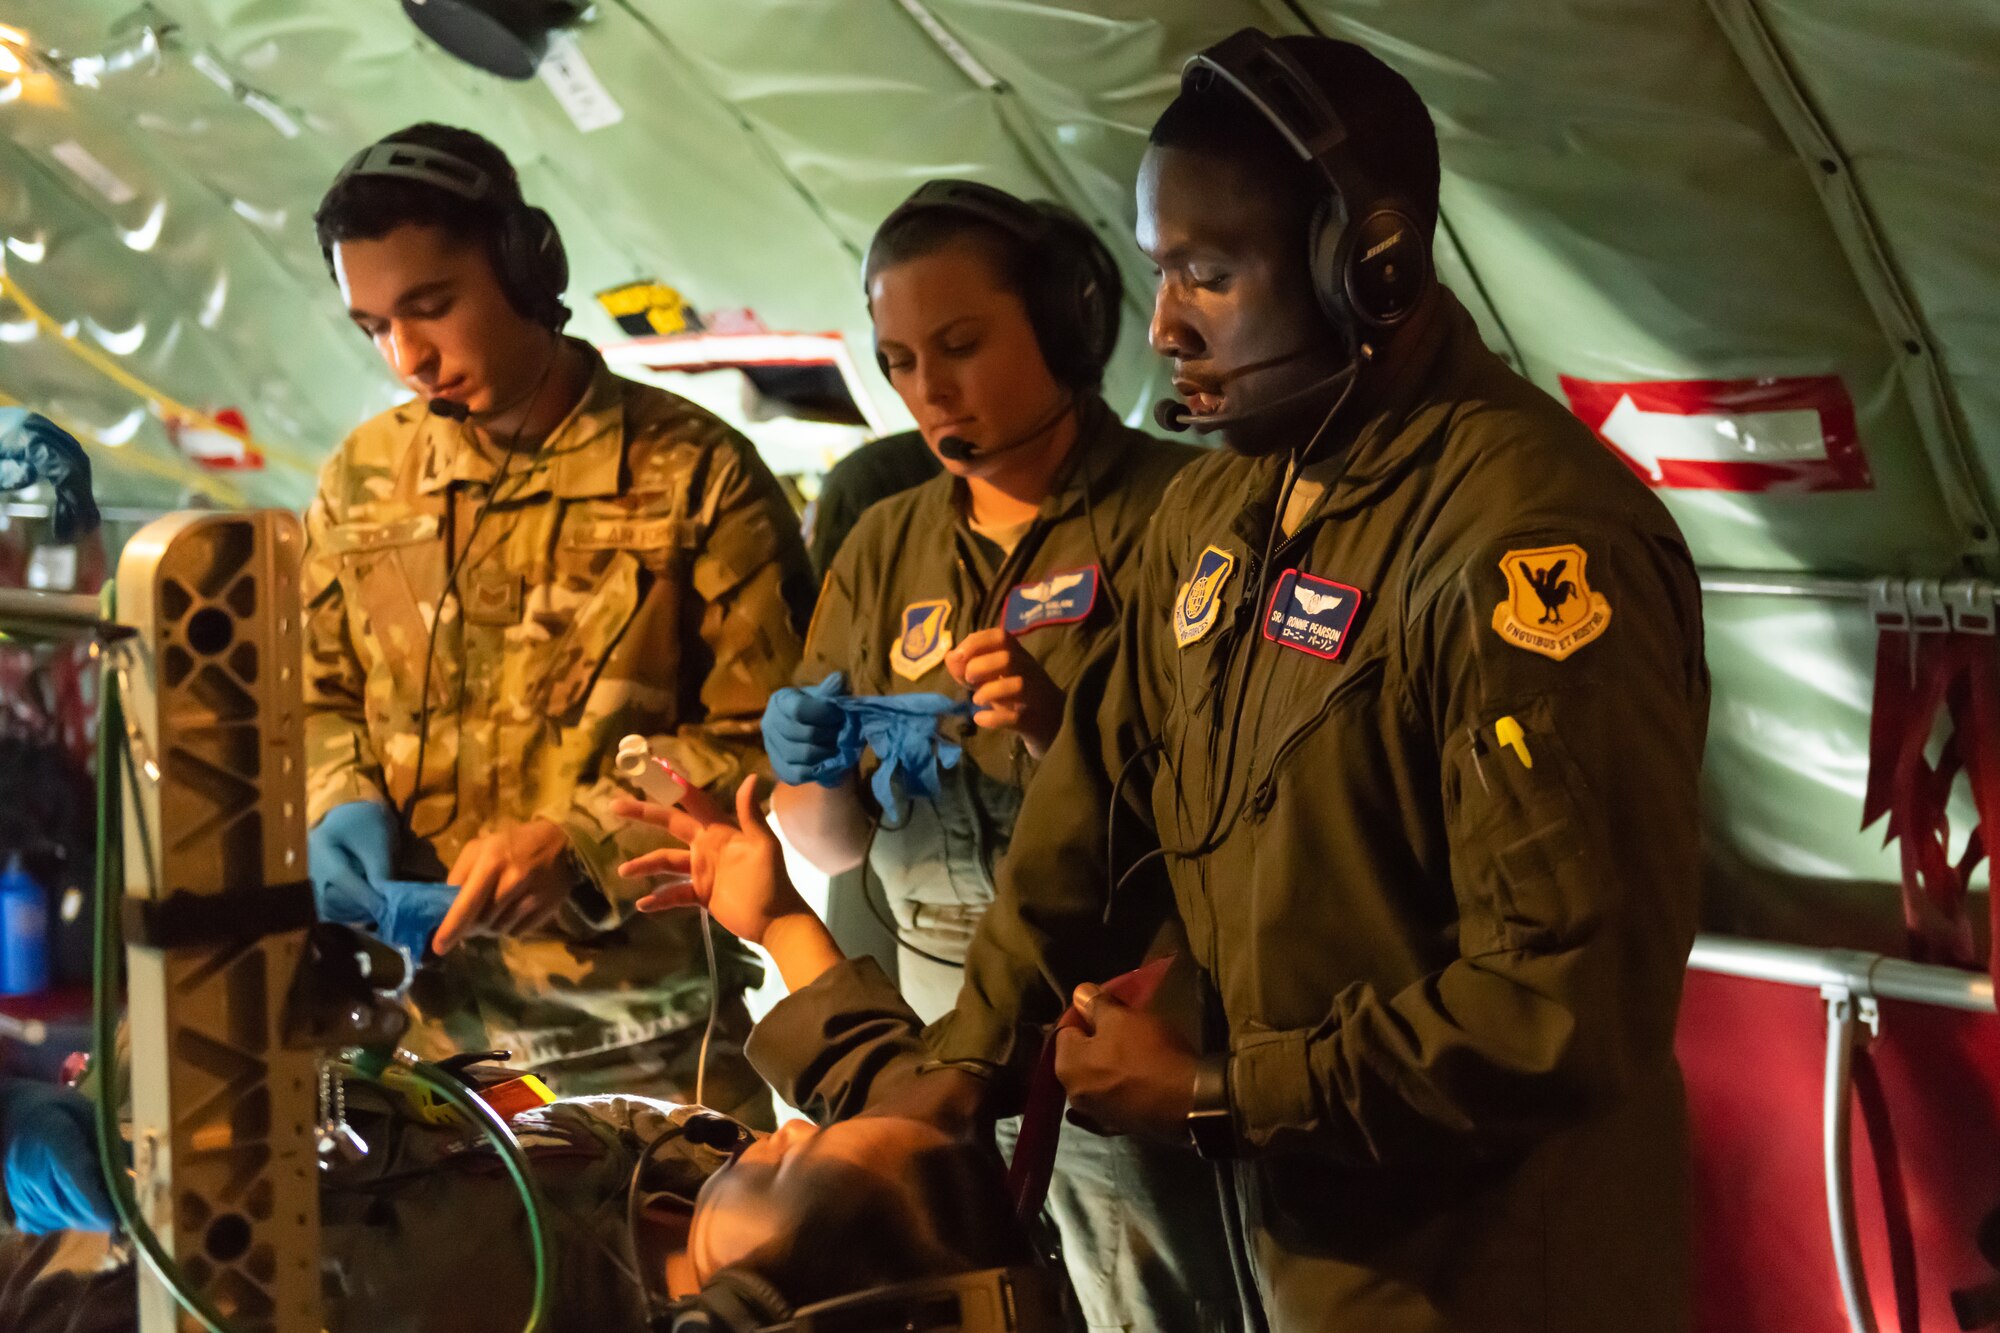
<point x="1889" y="604"/>
<point x="1970" y="606"/>
<point x="1927" y="613"/>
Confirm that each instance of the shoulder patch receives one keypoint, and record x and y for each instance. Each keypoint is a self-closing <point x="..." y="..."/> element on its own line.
<point x="1201" y="596"/>
<point x="1062" y="597"/>
<point x="1550" y="607"/>
<point x="923" y="639"/>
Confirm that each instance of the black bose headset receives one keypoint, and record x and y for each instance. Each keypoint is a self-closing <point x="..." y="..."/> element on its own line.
<point x="1074" y="289"/>
<point x="1370" y="257"/>
<point x="528" y="255"/>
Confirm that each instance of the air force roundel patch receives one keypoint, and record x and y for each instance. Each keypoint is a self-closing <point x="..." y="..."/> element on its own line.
<point x="1311" y="614"/>
<point x="1201" y="596"/>
<point x="1061" y="598"/>
<point x="923" y="639"/>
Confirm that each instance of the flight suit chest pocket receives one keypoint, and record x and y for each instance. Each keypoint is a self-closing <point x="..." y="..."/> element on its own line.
<point x="593" y="620"/>
<point x="392" y="576"/>
<point x="1325" y="719"/>
<point x="1528" y="866"/>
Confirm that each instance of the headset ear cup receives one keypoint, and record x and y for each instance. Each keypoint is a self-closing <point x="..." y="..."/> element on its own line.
<point x="1327" y="265"/>
<point x="552" y="261"/>
<point x="1101" y="294"/>
<point x="1386" y="268"/>
<point x="1080" y="297"/>
<point x="532" y="265"/>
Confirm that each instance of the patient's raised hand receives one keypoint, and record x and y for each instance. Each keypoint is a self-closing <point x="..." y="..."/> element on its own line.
<point x="736" y="869"/>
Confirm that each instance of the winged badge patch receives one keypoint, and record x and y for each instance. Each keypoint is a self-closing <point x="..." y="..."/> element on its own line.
<point x="1061" y="598"/>
<point x="1550" y="608"/>
<point x="1311" y="614"/>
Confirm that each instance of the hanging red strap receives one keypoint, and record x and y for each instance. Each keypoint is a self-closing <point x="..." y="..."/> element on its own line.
<point x="1034" y="1160"/>
<point x="1916" y="675"/>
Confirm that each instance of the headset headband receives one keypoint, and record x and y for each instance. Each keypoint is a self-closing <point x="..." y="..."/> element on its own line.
<point x="1366" y="253"/>
<point x="1282" y="93"/>
<point x="419" y="162"/>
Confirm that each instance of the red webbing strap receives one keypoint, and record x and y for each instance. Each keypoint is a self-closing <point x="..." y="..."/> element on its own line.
<point x="1915" y="676"/>
<point x="1034" y="1160"/>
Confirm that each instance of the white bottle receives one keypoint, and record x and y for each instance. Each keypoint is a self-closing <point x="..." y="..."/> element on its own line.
<point x="651" y="777"/>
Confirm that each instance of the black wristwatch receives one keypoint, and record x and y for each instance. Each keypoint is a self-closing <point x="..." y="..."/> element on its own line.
<point x="1210" y="1121"/>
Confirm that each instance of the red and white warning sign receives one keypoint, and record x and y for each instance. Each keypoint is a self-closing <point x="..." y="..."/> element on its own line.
<point x="1780" y="434"/>
<point x="221" y="442"/>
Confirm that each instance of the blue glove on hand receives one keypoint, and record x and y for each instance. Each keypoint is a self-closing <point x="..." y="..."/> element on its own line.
<point x="350" y="853"/>
<point x="807" y="735"/>
<point x="49" y="1149"/>
<point x="33" y="448"/>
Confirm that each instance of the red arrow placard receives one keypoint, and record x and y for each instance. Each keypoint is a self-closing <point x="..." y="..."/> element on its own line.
<point x="1792" y="433"/>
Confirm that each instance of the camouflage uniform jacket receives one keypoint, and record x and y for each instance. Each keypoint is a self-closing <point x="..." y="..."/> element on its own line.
<point x="641" y="572"/>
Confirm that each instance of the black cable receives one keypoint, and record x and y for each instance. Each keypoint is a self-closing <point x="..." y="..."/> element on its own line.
<point x="1103" y="564"/>
<point x="1252" y="1305"/>
<point x="1113" y="880"/>
<point x="1217" y="831"/>
<point x="886" y="922"/>
<point x="451" y="576"/>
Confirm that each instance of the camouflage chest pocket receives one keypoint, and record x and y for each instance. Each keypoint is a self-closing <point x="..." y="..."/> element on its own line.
<point x="391" y="574"/>
<point x="562" y="675"/>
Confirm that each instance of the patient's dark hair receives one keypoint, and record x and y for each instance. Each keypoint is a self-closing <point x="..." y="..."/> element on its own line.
<point x="947" y="1213"/>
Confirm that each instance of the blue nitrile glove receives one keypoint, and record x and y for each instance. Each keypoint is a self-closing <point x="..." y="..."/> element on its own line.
<point x="806" y="733"/>
<point x="33" y="448"/>
<point x="49" y="1148"/>
<point x="902" y="731"/>
<point x="350" y="853"/>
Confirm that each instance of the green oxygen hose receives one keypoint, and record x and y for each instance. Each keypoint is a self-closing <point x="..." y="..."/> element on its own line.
<point x="111" y="766"/>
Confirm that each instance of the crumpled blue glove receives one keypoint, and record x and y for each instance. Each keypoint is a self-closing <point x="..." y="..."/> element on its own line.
<point x="817" y="734"/>
<point x="49" y="1150"/>
<point x="33" y="448"/>
<point x="902" y="731"/>
<point x="807" y="736"/>
<point x="350" y="853"/>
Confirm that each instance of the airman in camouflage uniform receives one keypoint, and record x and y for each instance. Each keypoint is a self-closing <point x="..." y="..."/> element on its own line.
<point x="639" y="572"/>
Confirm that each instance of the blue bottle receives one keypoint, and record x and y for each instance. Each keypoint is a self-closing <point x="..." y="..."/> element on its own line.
<point x="24" y="932"/>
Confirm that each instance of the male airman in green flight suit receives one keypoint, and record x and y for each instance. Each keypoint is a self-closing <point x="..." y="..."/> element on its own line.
<point x="1408" y="706"/>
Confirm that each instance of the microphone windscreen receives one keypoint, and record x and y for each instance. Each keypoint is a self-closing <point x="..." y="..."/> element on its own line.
<point x="450" y="410"/>
<point x="1171" y="414"/>
<point x="956" y="448"/>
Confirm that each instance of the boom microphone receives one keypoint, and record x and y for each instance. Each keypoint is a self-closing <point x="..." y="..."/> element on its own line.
<point x="1172" y="414"/>
<point x="449" y="409"/>
<point x="958" y="449"/>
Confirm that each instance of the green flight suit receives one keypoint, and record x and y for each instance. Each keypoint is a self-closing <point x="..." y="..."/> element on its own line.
<point x="641" y="572"/>
<point x="1141" y="1234"/>
<point x="1453" y="857"/>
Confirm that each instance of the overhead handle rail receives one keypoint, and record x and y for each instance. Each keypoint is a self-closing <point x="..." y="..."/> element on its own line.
<point x="1851" y="981"/>
<point x="1960" y="606"/>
